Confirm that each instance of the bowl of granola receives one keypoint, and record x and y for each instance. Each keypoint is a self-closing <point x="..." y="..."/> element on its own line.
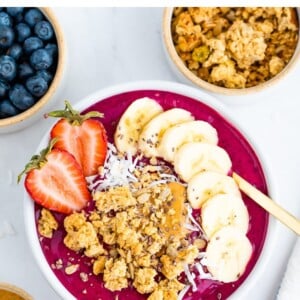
<point x="231" y="50"/>
<point x="160" y="215"/>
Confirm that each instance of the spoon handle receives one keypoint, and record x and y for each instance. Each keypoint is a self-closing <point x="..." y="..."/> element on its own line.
<point x="268" y="204"/>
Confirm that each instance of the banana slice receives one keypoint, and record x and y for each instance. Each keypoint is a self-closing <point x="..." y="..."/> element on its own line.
<point x="152" y="133"/>
<point x="192" y="158"/>
<point x="207" y="184"/>
<point x="176" y="136"/>
<point x="224" y="210"/>
<point x="227" y="254"/>
<point x="136" y="116"/>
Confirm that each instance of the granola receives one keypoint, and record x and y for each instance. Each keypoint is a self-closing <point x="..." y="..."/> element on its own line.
<point x="135" y="233"/>
<point x="82" y="235"/>
<point x="47" y="224"/>
<point x="235" y="47"/>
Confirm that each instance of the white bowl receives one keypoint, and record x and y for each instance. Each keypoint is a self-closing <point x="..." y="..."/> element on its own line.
<point x="29" y="216"/>
<point x="188" y="77"/>
<point x="35" y="112"/>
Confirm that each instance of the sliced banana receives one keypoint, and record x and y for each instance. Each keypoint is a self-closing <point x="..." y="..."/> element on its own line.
<point x="207" y="184"/>
<point x="152" y="133"/>
<point x="136" y="116"/>
<point x="192" y="158"/>
<point x="224" y="210"/>
<point x="193" y="131"/>
<point x="227" y="254"/>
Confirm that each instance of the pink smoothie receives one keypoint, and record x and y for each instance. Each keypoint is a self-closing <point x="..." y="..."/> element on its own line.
<point x="245" y="162"/>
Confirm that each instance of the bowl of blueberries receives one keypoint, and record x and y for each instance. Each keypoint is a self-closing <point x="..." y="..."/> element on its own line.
<point x="32" y="59"/>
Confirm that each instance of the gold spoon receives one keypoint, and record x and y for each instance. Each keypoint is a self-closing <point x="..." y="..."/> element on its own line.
<point x="268" y="204"/>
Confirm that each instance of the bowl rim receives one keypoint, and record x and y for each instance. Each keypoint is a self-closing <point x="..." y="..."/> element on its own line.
<point x="28" y="204"/>
<point x="197" y="81"/>
<point x="10" y="121"/>
<point x="15" y="289"/>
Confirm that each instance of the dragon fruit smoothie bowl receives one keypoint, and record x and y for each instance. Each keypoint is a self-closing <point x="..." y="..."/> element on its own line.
<point x="82" y="284"/>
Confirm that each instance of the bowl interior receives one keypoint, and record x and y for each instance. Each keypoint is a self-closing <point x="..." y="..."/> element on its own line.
<point x="188" y="76"/>
<point x="112" y="103"/>
<point x="29" y="113"/>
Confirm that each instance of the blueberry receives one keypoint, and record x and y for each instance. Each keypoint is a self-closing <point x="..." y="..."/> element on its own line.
<point x="18" y="18"/>
<point x="20" y="97"/>
<point x="23" y="32"/>
<point x="5" y="19"/>
<point x="44" y="30"/>
<point x="14" y="11"/>
<point x="25" y="70"/>
<point x="7" y="109"/>
<point x="15" y="51"/>
<point x="8" y="68"/>
<point x="36" y="85"/>
<point x="32" y="43"/>
<point x="52" y="49"/>
<point x="41" y="60"/>
<point x="7" y="36"/>
<point x="4" y="87"/>
<point x="46" y="75"/>
<point x="32" y="16"/>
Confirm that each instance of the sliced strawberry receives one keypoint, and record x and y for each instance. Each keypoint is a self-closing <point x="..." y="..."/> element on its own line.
<point x="55" y="180"/>
<point x="83" y="137"/>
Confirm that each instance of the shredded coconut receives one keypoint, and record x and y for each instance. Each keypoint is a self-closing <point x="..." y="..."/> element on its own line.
<point x="183" y="292"/>
<point x="169" y="177"/>
<point x="117" y="171"/>
<point x="190" y="277"/>
<point x="201" y="255"/>
<point x="90" y="179"/>
<point x="202" y="273"/>
<point x="152" y="184"/>
<point x="204" y="261"/>
<point x="193" y="221"/>
<point x="190" y="227"/>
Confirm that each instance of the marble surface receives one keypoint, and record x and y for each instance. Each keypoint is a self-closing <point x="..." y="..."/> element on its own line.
<point x="108" y="46"/>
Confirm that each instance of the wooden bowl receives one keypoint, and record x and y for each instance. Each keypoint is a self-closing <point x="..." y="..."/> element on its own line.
<point x="189" y="77"/>
<point x="30" y="115"/>
<point x="7" y="291"/>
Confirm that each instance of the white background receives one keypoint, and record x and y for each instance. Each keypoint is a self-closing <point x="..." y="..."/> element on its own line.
<point x="108" y="46"/>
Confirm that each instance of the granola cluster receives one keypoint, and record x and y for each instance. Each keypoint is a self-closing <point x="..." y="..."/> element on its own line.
<point x="235" y="47"/>
<point x="47" y="224"/>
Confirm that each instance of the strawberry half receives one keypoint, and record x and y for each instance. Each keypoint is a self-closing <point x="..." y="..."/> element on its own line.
<point x="54" y="179"/>
<point x="81" y="136"/>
